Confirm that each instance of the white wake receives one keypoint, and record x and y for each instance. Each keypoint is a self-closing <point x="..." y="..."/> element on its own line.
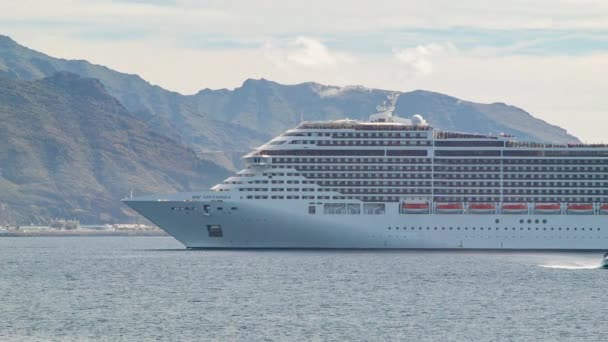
<point x="573" y="266"/>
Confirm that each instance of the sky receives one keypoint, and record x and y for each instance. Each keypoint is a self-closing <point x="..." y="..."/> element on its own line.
<point x="549" y="57"/>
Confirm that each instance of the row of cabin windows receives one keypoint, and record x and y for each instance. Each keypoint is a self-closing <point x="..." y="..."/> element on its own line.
<point x="507" y="164"/>
<point x="291" y="182"/>
<point x="556" y="184"/>
<point x="345" y="190"/>
<point x="376" y="190"/>
<point x="278" y="174"/>
<point x="535" y="199"/>
<point x="448" y="184"/>
<point x="515" y="162"/>
<point x="277" y="189"/>
<point x="374" y="183"/>
<point x="556" y="192"/>
<point x="440" y="168"/>
<point x="367" y="134"/>
<point x="555" y="168"/>
<point x="556" y="176"/>
<point x="286" y="197"/>
<point x="363" y="168"/>
<point x="386" y="176"/>
<point x="276" y="182"/>
<point x="556" y="161"/>
<point x="503" y="228"/>
<point x="527" y="185"/>
<point x="455" y="176"/>
<point x="358" y="134"/>
<point x="387" y="160"/>
<point x="363" y="142"/>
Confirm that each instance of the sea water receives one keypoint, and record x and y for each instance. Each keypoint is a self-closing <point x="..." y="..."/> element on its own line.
<point x="150" y="288"/>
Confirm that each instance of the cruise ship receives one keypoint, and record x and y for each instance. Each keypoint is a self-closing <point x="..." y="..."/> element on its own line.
<point x="397" y="183"/>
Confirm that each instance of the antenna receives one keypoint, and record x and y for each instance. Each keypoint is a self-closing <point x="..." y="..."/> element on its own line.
<point x="131" y="193"/>
<point x="301" y="117"/>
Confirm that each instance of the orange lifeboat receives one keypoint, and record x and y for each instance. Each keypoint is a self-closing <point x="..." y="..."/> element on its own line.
<point x="481" y="208"/>
<point x="515" y="208"/>
<point x="547" y="208"/>
<point x="604" y="209"/>
<point x="415" y="208"/>
<point x="580" y="209"/>
<point x="449" y="208"/>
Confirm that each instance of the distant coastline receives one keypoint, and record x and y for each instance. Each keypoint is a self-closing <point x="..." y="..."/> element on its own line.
<point x="79" y="233"/>
<point x="82" y="230"/>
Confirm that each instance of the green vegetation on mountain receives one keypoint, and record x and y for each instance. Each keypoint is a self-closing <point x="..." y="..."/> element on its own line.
<point x="68" y="149"/>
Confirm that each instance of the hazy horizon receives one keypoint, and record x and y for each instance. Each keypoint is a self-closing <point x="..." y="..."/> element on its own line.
<point x="552" y="63"/>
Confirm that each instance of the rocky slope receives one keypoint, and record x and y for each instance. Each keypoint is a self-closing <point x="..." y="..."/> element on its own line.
<point x="69" y="149"/>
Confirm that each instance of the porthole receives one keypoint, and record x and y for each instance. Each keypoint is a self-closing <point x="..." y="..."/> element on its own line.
<point x="521" y="221"/>
<point x="397" y="228"/>
<point x="529" y="221"/>
<point x="389" y="228"/>
<point x="536" y="221"/>
<point x="544" y="221"/>
<point x="497" y="221"/>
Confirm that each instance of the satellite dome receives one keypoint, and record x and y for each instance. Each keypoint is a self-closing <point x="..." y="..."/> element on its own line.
<point x="418" y="120"/>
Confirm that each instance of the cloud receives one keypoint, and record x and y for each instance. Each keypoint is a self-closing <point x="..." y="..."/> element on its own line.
<point x="304" y="52"/>
<point x="547" y="56"/>
<point x="419" y="60"/>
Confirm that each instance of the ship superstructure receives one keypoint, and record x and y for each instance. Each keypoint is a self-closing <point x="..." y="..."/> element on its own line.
<point x="397" y="183"/>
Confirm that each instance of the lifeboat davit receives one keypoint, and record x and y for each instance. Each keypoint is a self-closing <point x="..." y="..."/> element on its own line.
<point x="514" y="208"/>
<point x="604" y="209"/>
<point x="580" y="209"/>
<point x="449" y="208"/>
<point x="482" y="208"/>
<point x="415" y="208"/>
<point x="547" y="208"/>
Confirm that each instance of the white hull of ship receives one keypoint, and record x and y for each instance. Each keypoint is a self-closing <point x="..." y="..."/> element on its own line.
<point x="287" y="224"/>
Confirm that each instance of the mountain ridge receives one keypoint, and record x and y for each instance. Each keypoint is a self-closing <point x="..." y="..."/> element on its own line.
<point x="259" y="109"/>
<point x="69" y="149"/>
<point x="76" y="136"/>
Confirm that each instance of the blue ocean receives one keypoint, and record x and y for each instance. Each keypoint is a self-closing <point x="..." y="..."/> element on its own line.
<point x="151" y="288"/>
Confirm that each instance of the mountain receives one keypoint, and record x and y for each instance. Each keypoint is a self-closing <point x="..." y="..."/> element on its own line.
<point x="75" y="136"/>
<point x="69" y="149"/>
<point x="230" y="122"/>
